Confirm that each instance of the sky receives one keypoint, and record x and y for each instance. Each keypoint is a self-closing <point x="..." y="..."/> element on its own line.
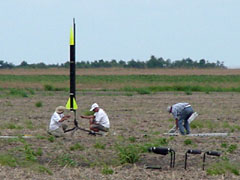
<point x="38" y="30"/>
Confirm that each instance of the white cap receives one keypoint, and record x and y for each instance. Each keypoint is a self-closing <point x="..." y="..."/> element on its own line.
<point x="95" y="105"/>
<point x="60" y="109"/>
<point x="169" y="108"/>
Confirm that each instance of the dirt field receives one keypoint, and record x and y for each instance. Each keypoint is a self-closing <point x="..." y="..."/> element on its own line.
<point x="135" y="119"/>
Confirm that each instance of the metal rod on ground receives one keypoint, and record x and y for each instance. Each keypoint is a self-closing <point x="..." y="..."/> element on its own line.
<point x="11" y="137"/>
<point x="200" y="134"/>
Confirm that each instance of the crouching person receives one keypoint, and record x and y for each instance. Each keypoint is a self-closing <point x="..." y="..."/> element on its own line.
<point x="56" y="126"/>
<point x="181" y="113"/>
<point x="99" y="121"/>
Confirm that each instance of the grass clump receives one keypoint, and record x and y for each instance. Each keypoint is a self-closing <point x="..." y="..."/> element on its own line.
<point x="48" y="87"/>
<point x="99" y="145"/>
<point x="77" y="146"/>
<point x="188" y="142"/>
<point x="24" y="156"/>
<point x="106" y="170"/>
<point x="30" y="154"/>
<point x="43" y="169"/>
<point x="29" y="124"/>
<point x="128" y="94"/>
<point x="231" y="128"/>
<point x="38" y="104"/>
<point x="51" y="138"/>
<point x="66" y="160"/>
<point x="224" y="145"/>
<point x="38" y="136"/>
<point x="211" y="125"/>
<point x="18" y="92"/>
<point x="8" y="160"/>
<point x="223" y="167"/>
<point x="197" y="125"/>
<point x="132" y="139"/>
<point x="232" y="148"/>
<point x="128" y="153"/>
<point x="143" y="91"/>
<point x="204" y="124"/>
<point x="12" y="126"/>
<point x="171" y="120"/>
<point x="188" y="92"/>
<point x="31" y="91"/>
<point x="39" y="152"/>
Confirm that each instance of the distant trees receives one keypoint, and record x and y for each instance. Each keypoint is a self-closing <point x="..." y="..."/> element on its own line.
<point x="5" y="65"/>
<point x="153" y="62"/>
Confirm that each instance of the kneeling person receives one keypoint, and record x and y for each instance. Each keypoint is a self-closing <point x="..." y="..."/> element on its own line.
<point x="99" y="121"/>
<point x="56" y="126"/>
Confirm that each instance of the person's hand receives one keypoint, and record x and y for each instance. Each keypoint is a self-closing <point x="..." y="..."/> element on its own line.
<point x="173" y="130"/>
<point x="82" y="116"/>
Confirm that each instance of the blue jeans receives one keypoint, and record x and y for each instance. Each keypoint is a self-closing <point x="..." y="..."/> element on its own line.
<point x="186" y="113"/>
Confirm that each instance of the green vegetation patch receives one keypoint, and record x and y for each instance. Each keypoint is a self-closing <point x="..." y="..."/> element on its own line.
<point x="29" y="124"/>
<point x="232" y="148"/>
<point x="8" y="160"/>
<point x="77" y="146"/>
<point x="11" y="126"/>
<point x="222" y="167"/>
<point x="188" y="142"/>
<point x="66" y="160"/>
<point x="107" y="170"/>
<point x="17" y="92"/>
<point x="141" y="84"/>
<point x="204" y="124"/>
<point x="128" y="153"/>
<point x="99" y="145"/>
<point x="39" y="104"/>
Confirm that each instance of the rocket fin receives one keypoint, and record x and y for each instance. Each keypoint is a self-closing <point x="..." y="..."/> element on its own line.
<point x="72" y="37"/>
<point x="68" y="105"/>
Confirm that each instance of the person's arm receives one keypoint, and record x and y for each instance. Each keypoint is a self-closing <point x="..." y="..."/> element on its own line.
<point x="87" y="117"/>
<point x="64" y="118"/>
<point x="176" y="123"/>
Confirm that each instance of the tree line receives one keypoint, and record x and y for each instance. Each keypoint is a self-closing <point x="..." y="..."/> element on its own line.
<point x="153" y="62"/>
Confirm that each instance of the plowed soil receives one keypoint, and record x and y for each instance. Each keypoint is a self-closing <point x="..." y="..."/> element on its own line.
<point x="138" y="116"/>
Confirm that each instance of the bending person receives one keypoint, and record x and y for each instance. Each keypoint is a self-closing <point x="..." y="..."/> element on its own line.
<point x="99" y="121"/>
<point x="181" y="112"/>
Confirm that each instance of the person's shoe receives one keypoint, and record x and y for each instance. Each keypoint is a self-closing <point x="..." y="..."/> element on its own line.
<point x="92" y="133"/>
<point x="105" y="133"/>
<point x="64" y="127"/>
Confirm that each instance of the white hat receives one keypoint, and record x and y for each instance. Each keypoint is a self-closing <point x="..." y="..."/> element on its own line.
<point x="169" y="109"/>
<point x="95" y="105"/>
<point x="60" y="109"/>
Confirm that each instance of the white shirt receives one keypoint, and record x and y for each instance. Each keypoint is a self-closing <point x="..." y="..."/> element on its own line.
<point x="102" y="118"/>
<point x="54" y="123"/>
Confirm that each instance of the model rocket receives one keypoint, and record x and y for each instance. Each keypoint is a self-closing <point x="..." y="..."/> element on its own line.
<point x="71" y="104"/>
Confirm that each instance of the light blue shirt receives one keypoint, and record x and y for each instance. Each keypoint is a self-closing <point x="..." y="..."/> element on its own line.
<point x="178" y="108"/>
